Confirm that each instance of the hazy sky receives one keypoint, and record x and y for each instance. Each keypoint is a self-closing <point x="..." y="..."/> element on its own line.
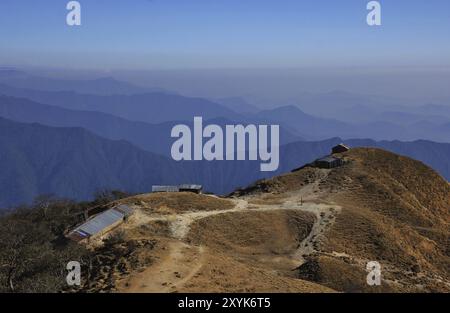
<point x="149" y="34"/>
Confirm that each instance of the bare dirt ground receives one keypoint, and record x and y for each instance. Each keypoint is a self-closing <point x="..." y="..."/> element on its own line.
<point x="182" y="261"/>
<point x="177" y="267"/>
<point x="311" y="230"/>
<point x="305" y="231"/>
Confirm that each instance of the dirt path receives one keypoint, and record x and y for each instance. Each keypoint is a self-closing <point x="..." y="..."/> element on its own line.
<point x="180" y="264"/>
<point x="325" y="216"/>
<point x="183" y="261"/>
<point x="180" y="223"/>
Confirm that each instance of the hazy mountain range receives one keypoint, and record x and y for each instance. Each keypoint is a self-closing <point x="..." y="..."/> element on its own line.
<point x="74" y="163"/>
<point x="349" y="107"/>
<point x="151" y="137"/>
<point x="355" y="122"/>
<point x="109" y="134"/>
<point x="97" y="86"/>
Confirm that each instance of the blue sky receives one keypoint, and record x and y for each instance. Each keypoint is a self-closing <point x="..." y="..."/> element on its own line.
<point x="147" y="34"/>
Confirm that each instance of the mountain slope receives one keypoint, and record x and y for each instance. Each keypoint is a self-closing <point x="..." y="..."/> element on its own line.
<point x="431" y="153"/>
<point x="159" y="107"/>
<point x="99" y="86"/>
<point x="435" y="155"/>
<point x="73" y="163"/>
<point x="153" y="108"/>
<point x="238" y="105"/>
<point x="151" y="137"/>
<point x="389" y="126"/>
<point x="313" y="230"/>
<point x="305" y="124"/>
<point x="390" y="209"/>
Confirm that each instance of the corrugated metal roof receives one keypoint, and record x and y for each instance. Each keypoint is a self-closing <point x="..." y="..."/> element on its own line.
<point x="165" y="188"/>
<point x="100" y="222"/>
<point x="341" y="145"/>
<point x="125" y="209"/>
<point x="77" y="236"/>
<point x="190" y="186"/>
<point x="328" y="159"/>
<point x="81" y="233"/>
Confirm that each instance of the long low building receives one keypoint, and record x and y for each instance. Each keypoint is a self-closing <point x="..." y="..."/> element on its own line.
<point x="329" y="162"/>
<point x="165" y="189"/>
<point x="101" y="223"/>
<point x="190" y="188"/>
<point x="180" y="188"/>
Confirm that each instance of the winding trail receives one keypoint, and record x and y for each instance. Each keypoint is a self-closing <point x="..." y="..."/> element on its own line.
<point x="184" y="261"/>
<point x="181" y="264"/>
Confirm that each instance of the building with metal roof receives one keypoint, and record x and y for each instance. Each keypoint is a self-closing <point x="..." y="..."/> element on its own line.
<point x="328" y="162"/>
<point x="165" y="189"/>
<point x="339" y="148"/>
<point x="180" y="188"/>
<point x="101" y="223"/>
<point x="190" y="188"/>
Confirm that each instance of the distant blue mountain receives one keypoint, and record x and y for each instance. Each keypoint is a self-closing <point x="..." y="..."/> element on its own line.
<point x="156" y="108"/>
<point x="238" y="105"/>
<point x="309" y="126"/>
<point x="99" y="86"/>
<point x="74" y="163"/>
<point x="151" y="137"/>
<point x="389" y="126"/>
<point x="151" y="108"/>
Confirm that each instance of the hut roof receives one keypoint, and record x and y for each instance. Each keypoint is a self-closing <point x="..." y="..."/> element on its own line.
<point x="165" y="188"/>
<point x="190" y="186"/>
<point x="328" y="159"/>
<point x="99" y="222"/>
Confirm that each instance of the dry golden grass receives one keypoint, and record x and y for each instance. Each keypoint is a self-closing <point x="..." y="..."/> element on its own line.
<point x="340" y="275"/>
<point x="285" y="183"/>
<point x="268" y="199"/>
<point x="223" y="273"/>
<point x="265" y="240"/>
<point x="395" y="211"/>
<point x="397" y="186"/>
<point x="275" y="232"/>
<point x="178" y="202"/>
